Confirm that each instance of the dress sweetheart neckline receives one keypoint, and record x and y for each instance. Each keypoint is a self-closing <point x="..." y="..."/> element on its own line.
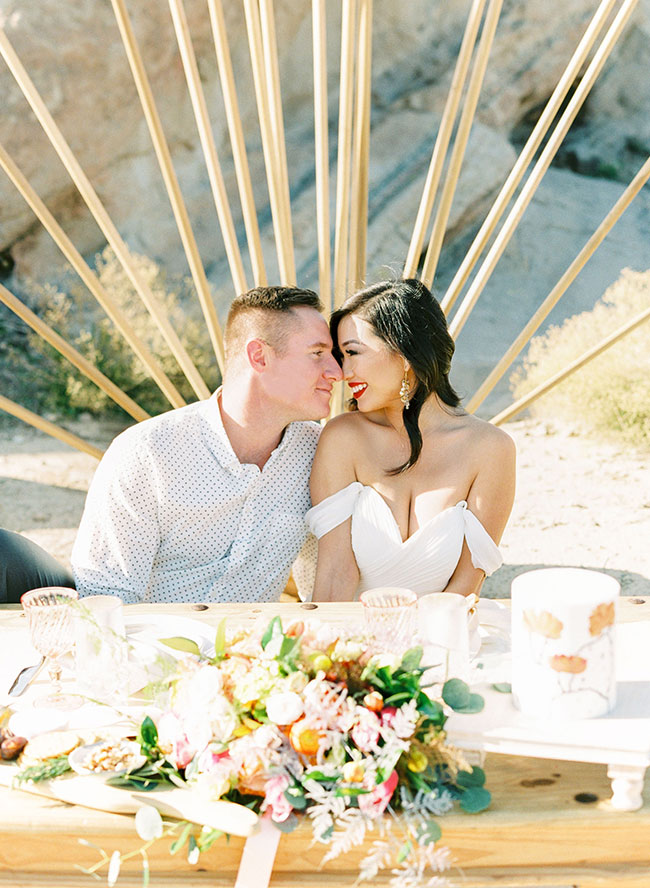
<point x="429" y="521"/>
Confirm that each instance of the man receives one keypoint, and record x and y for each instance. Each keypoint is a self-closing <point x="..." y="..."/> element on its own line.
<point x="207" y="503"/>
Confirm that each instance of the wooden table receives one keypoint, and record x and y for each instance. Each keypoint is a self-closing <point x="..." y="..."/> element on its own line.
<point x="550" y="823"/>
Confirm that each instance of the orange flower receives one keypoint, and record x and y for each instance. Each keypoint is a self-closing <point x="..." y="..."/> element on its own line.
<point x="543" y="623"/>
<point x="304" y="738"/>
<point x="564" y="663"/>
<point x="601" y="617"/>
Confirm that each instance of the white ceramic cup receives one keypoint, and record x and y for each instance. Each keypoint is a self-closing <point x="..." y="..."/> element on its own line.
<point x="101" y="648"/>
<point x="563" y="643"/>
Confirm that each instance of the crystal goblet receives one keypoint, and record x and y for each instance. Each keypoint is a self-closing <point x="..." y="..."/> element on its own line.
<point x="50" y="616"/>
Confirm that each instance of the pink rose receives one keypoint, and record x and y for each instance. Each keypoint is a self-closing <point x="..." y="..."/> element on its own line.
<point x="365" y="732"/>
<point x="374" y="803"/>
<point x="171" y="734"/>
<point x="274" y="798"/>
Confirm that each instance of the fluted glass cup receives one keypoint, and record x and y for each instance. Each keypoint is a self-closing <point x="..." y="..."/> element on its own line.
<point x="50" y="617"/>
<point x="390" y="615"/>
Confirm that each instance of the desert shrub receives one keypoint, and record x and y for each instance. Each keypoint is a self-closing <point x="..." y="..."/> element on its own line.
<point x="610" y="395"/>
<point x="75" y="315"/>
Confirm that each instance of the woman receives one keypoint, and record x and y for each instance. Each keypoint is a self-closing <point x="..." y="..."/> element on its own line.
<point x="408" y="489"/>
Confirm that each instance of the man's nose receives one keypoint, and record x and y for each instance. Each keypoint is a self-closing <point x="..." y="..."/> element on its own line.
<point x="333" y="370"/>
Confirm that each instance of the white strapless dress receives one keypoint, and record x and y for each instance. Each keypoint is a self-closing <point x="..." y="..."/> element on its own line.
<point x="425" y="561"/>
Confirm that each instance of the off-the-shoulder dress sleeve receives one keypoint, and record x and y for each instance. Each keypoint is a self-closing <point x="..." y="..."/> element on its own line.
<point x="485" y="553"/>
<point x="334" y="510"/>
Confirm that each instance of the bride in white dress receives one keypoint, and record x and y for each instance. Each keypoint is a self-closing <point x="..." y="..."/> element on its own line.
<point x="408" y="489"/>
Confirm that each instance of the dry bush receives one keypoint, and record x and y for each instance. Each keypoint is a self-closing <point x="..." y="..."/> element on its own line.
<point x="610" y="395"/>
<point x="74" y="315"/>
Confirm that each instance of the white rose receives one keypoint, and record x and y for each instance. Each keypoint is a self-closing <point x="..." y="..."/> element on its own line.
<point x="284" y="709"/>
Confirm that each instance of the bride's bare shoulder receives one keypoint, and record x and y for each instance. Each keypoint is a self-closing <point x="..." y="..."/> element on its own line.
<point x="344" y="429"/>
<point x="489" y="439"/>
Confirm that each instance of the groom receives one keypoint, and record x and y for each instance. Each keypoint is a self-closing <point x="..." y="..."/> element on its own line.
<point x="207" y="502"/>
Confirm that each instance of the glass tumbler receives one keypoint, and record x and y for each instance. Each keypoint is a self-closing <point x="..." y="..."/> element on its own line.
<point x="390" y="616"/>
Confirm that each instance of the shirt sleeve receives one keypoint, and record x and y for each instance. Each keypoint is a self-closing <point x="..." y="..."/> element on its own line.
<point x="119" y="532"/>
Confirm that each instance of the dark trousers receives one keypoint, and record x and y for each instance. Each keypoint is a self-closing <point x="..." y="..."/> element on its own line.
<point x="25" y="566"/>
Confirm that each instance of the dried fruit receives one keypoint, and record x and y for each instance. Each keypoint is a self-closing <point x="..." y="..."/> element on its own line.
<point x="12" y="746"/>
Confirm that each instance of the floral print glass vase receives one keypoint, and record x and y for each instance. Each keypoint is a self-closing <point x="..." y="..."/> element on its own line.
<point x="563" y="643"/>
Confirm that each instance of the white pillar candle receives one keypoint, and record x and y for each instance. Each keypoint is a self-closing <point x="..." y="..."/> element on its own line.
<point x="563" y="637"/>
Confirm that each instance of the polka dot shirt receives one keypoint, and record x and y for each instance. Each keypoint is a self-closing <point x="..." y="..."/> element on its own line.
<point x="172" y="515"/>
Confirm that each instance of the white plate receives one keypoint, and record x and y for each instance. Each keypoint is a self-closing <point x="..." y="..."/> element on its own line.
<point x="78" y="756"/>
<point x="148" y="629"/>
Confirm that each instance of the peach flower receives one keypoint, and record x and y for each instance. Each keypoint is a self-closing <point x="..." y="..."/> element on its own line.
<point x="564" y="663"/>
<point x="601" y="617"/>
<point x="543" y="623"/>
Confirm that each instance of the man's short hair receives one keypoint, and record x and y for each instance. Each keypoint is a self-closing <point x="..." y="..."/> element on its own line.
<point x="264" y="312"/>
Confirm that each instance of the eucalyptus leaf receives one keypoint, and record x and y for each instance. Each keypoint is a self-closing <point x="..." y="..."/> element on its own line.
<point x="476" y="703"/>
<point x="186" y="645"/>
<point x="295" y="798"/>
<point x="503" y="687"/>
<point x="455" y="693"/>
<point x="475" y="777"/>
<point x="475" y="799"/>
<point x="287" y="825"/>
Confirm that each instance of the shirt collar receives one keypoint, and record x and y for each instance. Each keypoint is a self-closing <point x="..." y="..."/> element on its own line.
<point x="227" y="455"/>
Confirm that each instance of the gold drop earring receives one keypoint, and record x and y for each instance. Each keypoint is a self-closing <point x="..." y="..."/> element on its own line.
<point x="405" y="390"/>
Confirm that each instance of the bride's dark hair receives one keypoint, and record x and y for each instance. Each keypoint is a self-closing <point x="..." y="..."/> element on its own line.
<point x="408" y="318"/>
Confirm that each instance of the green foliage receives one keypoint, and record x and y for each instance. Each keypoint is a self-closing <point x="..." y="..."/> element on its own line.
<point x="457" y="694"/>
<point x="48" y="769"/>
<point x="75" y="316"/>
<point x="610" y="395"/>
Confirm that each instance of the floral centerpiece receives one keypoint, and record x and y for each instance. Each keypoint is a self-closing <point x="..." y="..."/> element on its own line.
<point x="309" y="721"/>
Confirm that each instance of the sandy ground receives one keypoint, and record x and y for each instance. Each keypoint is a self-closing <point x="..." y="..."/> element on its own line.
<point x="579" y="502"/>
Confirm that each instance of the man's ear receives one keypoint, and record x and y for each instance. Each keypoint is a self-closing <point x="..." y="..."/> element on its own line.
<point x="256" y="353"/>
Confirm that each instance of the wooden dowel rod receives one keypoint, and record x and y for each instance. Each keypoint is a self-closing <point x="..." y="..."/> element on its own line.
<point x="512" y="220"/>
<point x="273" y="175"/>
<point x="236" y="132"/>
<point x="321" y="146"/>
<point x="100" y="215"/>
<point x="527" y="154"/>
<point x="343" y="164"/>
<point x="49" y="428"/>
<point x="208" y="146"/>
<point x="361" y="148"/>
<point x="544" y="387"/>
<point x="90" y="279"/>
<point x="272" y="73"/>
<point x="76" y="358"/>
<point x="562" y="286"/>
<point x="442" y="139"/>
<point x="460" y="142"/>
<point x="163" y="154"/>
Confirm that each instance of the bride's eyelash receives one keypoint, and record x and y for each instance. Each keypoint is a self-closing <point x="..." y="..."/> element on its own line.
<point x="350" y="352"/>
